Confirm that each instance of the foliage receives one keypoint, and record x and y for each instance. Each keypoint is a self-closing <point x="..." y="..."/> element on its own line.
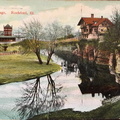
<point x="15" y="48"/>
<point x="82" y="43"/>
<point x="68" y="32"/>
<point x="1" y="48"/>
<point x="107" y="46"/>
<point x="70" y="36"/>
<point x="112" y="37"/>
<point x="93" y="43"/>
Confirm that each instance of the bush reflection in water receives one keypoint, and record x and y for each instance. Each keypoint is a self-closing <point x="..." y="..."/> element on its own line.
<point x="38" y="98"/>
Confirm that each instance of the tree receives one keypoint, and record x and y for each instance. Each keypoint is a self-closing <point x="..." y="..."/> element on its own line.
<point x="33" y="33"/>
<point x="53" y="32"/>
<point x="68" y="31"/>
<point x="112" y="37"/>
<point x="3" y="47"/>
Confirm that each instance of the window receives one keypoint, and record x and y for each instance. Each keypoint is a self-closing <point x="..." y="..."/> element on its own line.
<point x="95" y="22"/>
<point x="85" y="30"/>
<point x="95" y="29"/>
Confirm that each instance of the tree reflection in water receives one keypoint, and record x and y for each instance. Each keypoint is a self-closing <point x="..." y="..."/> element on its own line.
<point x="37" y="99"/>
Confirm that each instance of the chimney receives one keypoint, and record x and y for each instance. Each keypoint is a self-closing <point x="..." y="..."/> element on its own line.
<point x="101" y="16"/>
<point x="92" y="15"/>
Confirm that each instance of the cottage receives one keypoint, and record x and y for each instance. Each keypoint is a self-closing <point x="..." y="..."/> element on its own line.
<point x="94" y="28"/>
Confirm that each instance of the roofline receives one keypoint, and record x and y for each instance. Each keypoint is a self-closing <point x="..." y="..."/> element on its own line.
<point x="92" y="18"/>
<point x="7" y="37"/>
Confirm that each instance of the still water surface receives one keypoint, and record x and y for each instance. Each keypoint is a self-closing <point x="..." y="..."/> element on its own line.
<point x="65" y="82"/>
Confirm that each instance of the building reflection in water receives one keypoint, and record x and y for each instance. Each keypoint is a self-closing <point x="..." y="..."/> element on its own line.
<point x="38" y="99"/>
<point x="107" y="90"/>
<point x="97" y="79"/>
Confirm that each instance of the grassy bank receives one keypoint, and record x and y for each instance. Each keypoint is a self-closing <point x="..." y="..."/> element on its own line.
<point x="19" y="67"/>
<point x="111" y="111"/>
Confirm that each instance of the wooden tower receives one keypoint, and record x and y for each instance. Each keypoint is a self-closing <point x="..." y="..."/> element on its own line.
<point x="7" y="30"/>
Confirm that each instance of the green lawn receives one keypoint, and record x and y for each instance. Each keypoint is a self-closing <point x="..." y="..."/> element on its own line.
<point x="19" y="67"/>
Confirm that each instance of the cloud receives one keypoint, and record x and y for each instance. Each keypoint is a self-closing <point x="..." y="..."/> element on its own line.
<point x="71" y="15"/>
<point x="66" y="15"/>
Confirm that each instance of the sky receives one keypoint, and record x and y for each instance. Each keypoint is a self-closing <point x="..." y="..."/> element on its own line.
<point x="67" y="12"/>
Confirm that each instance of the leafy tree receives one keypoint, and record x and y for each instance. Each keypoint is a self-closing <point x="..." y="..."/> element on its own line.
<point x="3" y="47"/>
<point x="112" y="37"/>
<point x="82" y="43"/>
<point x="33" y="32"/>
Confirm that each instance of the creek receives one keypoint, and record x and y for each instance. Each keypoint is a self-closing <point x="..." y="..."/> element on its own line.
<point x="59" y="90"/>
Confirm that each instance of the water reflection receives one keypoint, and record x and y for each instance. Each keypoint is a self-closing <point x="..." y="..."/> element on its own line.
<point x="91" y="87"/>
<point x="97" y="79"/>
<point x="68" y="67"/>
<point x="38" y="98"/>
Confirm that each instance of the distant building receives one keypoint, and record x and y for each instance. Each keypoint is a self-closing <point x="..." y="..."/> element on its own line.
<point x="94" y="28"/>
<point x="6" y="35"/>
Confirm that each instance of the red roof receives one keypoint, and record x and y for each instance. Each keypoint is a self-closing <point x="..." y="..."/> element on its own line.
<point x="94" y="21"/>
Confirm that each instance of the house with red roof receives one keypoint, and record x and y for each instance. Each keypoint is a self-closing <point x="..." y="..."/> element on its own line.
<point x="94" y="28"/>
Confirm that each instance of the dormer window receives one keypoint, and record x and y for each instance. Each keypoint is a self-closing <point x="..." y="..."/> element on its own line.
<point x="95" y="22"/>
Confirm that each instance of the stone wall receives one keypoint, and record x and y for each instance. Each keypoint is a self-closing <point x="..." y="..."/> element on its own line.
<point x="100" y="57"/>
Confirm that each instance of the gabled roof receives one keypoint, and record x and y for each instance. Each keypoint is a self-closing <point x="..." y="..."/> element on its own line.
<point x="94" y="21"/>
<point x="101" y="20"/>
